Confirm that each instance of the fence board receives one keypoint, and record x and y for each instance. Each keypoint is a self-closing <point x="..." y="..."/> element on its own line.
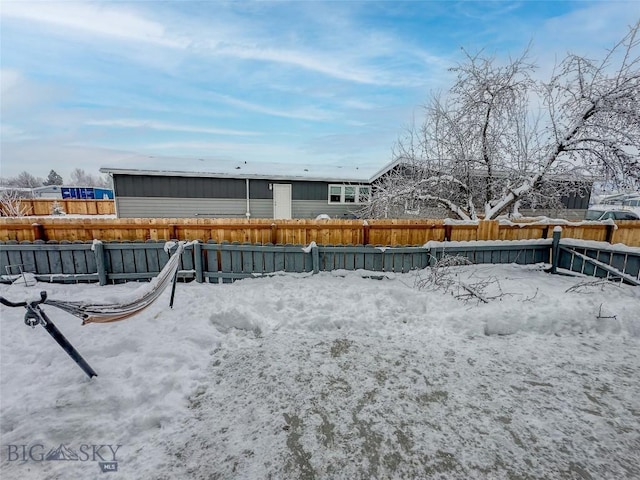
<point x="66" y="258"/>
<point x="44" y="206"/>
<point x="28" y="259"/>
<point x="15" y="258"/>
<point x="210" y="249"/>
<point x="140" y="260"/>
<point x="323" y="232"/>
<point x="152" y="260"/>
<point x="42" y="258"/>
<point x="226" y="264"/>
<point x="55" y="259"/>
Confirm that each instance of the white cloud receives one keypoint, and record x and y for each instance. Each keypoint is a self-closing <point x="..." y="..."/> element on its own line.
<point x="12" y="133"/>
<point x="9" y="79"/>
<point x="155" y="125"/>
<point x="331" y="66"/>
<point x="594" y="25"/>
<point x="343" y="60"/>
<point x="588" y="31"/>
<point x="233" y="149"/>
<point x="308" y="113"/>
<point x="95" y="19"/>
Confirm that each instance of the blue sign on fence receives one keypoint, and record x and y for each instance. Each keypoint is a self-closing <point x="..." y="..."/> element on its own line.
<point x="87" y="193"/>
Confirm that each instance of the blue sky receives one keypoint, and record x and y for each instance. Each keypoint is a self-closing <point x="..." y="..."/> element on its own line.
<point x="183" y="84"/>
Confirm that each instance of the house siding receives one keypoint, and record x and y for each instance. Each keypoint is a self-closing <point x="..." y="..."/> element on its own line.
<point x="165" y="207"/>
<point x="223" y="188"/>
<point x="178" y="187"/>
<point x="151" y="196"/>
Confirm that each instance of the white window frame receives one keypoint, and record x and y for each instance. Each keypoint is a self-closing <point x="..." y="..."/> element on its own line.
<point x="412" y="206"/>
<point x="343" y="188"/>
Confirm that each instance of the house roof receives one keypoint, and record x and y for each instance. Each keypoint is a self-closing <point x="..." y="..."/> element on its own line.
<point x="256" y="170"/>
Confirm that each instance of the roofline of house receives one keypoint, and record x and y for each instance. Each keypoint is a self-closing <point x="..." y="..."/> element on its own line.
<point x="238" y="176"/>
<point x="69" y="186"/>
<point x="390" y="166"/>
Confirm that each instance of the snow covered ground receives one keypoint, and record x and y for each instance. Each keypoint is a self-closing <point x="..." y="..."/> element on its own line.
<point x="332" y="376"/>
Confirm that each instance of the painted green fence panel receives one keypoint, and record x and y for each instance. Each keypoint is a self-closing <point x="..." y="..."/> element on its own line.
<point x="269" y="259"/>
<point x="247" y="260"/>
<point x="359" y="260"/>
<point x="210" y="250"/>
<point x="583" y="260"/>
<point x="258" y="261"/>
<point x="151" y="256"/>
<point x="140" y="259"/>
<point x="225" y="264"/>
<point x="55" y="259"/>
<point x="15" y="258"/>
<point x="228" y="262"/>
<point x="278" y="261"/>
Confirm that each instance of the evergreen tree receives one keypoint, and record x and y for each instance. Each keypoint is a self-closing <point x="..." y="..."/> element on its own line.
<point x="53" y="179"/>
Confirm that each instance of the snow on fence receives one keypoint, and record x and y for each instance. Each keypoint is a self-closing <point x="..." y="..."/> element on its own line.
<point x="305" y="231"/>
<point x="226" y="262"/>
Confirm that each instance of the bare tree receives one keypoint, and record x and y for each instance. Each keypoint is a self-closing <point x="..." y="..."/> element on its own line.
<point x="11" y="204"/>
<point x="23" y="180"/>
<point x="499" y="137"/>
<point x="81" y="178"/>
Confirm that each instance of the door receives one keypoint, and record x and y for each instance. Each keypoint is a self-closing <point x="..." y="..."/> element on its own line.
<point x="282" y="200"/>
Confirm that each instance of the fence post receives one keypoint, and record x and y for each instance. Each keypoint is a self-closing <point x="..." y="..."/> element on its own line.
<point x="610" y="230"/>
<point x="98" y="250"/>
<point x="173" y="233"/>
<point x="315" y="259"/>
<point x="38" y="232"/>
<point x="365" y="233"/>
<point x="447" y="233"/>
<point x="555" y="248"/>
<point x="274" y="233"/>
<point x="197" y="261"/>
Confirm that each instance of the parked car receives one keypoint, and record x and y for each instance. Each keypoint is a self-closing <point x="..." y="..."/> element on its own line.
<point x="625" y="201"/>
<point x="605" y="214"/>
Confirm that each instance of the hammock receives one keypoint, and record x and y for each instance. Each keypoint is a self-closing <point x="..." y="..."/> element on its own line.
<point x="140" y="299"/>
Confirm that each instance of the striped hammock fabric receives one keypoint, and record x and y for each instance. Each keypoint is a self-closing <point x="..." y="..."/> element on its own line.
<point x="133" y="304"/>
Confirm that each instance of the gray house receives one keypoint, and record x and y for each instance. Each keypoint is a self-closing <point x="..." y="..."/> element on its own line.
<point x="267" y="190"/>
<point x="238" y="194"/>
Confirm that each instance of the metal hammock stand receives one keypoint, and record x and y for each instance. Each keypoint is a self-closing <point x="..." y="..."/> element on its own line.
<point x="101" y="312"/>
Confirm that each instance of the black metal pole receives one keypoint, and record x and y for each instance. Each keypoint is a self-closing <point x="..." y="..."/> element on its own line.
<point x="173" y="289"/>
<point x="57" y="335"/>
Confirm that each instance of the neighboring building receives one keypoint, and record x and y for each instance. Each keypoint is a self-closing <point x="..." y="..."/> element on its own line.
<point x="72" y="192"/>
<point x="151" y="193"/>
<point x="265" y="190"/>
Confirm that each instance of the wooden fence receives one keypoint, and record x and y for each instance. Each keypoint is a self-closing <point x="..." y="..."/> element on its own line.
<point x="214" y="262"/>
<point x="44" y="206"/>
<point x="323" y="232"/>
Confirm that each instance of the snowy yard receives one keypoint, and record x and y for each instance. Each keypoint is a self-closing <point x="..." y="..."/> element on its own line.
<point x="332" y="376"/>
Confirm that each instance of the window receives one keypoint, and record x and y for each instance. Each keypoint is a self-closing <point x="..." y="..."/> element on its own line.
<point x="412" y="206"/>
<point x="349" y="193"/>
<point x="335" y="194"/>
